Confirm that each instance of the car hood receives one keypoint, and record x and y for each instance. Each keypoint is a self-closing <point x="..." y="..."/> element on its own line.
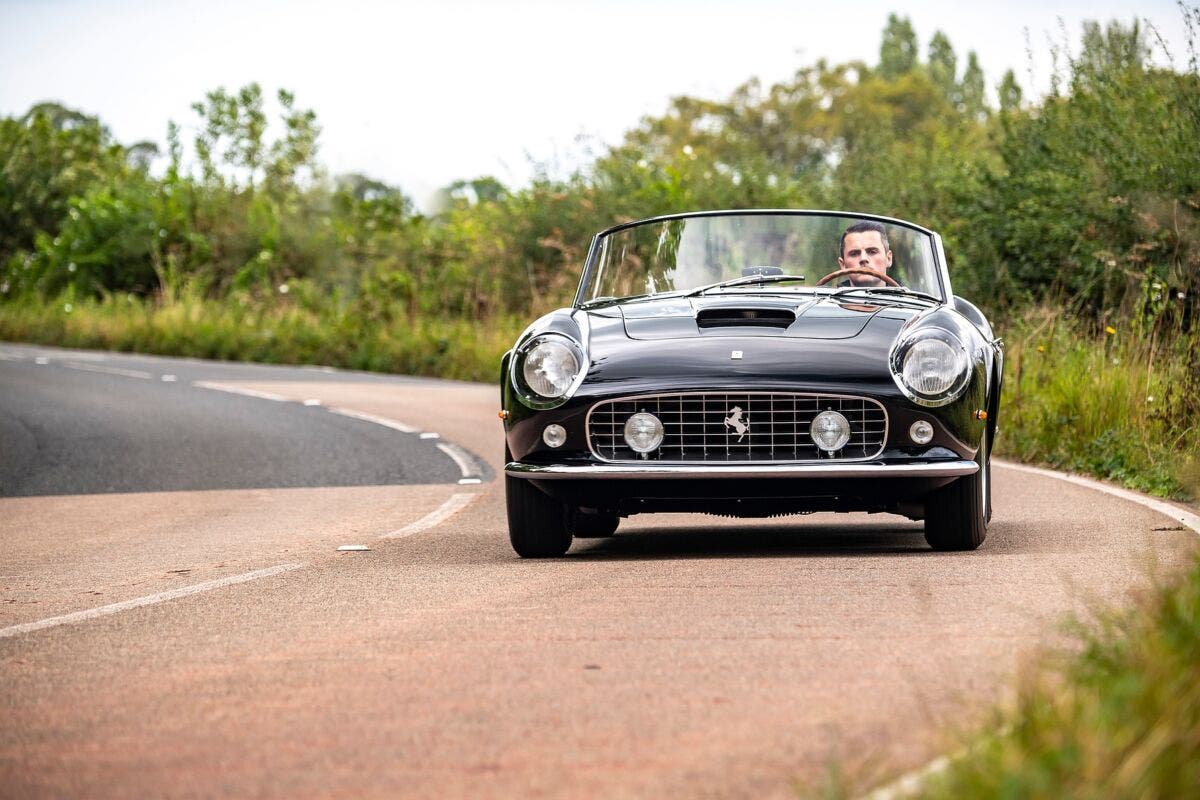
<point x="645" y="353"/>
<point x="805" y="317"/>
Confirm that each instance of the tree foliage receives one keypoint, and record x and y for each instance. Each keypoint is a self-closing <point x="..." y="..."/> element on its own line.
<point x="1089" y="193"/>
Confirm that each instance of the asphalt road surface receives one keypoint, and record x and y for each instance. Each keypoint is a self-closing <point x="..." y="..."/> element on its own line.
<point x="176" y="619"/>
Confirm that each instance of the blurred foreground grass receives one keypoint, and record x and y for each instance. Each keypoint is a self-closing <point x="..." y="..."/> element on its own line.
<point x="1119" y="718"/>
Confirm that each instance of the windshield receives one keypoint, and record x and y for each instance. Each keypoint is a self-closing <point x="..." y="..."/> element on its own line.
<point x="793" y="253"/>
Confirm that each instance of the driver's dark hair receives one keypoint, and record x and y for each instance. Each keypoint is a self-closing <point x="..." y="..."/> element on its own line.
<point x="863" y="227"/>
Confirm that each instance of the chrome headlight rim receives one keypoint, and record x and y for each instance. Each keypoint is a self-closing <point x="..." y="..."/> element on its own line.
<point x="525" y="392"/>
<point x="957" y="386"/>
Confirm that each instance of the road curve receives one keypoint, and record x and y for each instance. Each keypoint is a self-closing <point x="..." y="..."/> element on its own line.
<point x="687" y="655"/>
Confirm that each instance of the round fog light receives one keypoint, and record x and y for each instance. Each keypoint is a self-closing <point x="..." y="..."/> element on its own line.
<point x="643" y="432"/>
<point x="830" y="430"/>
<point x="554" y="435"/>
<point x="921" y="432"/>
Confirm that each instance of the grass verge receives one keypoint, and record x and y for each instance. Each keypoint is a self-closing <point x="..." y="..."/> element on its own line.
<point x="297" y="330"/>
<point x="1121" y="406"/>
<point x="1119" y="718"/>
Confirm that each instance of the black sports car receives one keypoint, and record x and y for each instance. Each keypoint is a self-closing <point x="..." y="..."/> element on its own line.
<point x="753" y="363"/>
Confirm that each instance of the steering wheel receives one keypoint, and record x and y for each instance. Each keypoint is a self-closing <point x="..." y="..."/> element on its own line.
<point x="883" y="276"/>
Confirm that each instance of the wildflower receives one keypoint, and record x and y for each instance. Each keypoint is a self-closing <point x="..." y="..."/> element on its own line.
<point x="283" y="288"/>
<point x="1116" y="361"/>
<point x="1180" y="295"/>
<point x="1110" y="330"/>
<point x="71" y="267"/>
<point x="1041" y="348"/>
<point x="67" y="307"/>
<point x="687" y="150"/>
<point x="1149" y="398"/>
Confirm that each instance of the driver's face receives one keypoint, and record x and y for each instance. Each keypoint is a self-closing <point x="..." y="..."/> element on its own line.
<point x="865" y="250"/>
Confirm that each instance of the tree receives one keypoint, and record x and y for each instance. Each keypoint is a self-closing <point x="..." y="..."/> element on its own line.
<point x="1009" y="92"/>
<point x="943" y="65"/>
<point x="972" y="88"/>
<point x="898" y="51"/>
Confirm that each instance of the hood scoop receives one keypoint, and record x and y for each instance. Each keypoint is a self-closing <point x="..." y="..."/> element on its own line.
<point x="724" y="317"/>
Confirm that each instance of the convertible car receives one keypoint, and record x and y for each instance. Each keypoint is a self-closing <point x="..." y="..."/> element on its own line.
<point x="752" y="364"/>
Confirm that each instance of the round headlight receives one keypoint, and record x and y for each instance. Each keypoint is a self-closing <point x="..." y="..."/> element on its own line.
<point x="643" y="432"/>
<point x="550" y="368"/>
<point x="830" y="430"/>
<point x="933" y="367"/>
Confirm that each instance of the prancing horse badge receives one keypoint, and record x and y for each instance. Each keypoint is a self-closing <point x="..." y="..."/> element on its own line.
<point x="735" y="421"/>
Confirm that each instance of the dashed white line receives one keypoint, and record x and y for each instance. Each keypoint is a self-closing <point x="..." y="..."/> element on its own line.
<point x="103" y="611"/>
<point x="464" y="460"/>
<point x="125" y="373"/>
<point x="456" y="502"/>
<point x="221" y="387"/>
<point x="387" y="423"/>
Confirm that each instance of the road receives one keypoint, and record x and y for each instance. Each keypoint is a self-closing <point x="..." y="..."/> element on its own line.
<point x="177" y="621"/>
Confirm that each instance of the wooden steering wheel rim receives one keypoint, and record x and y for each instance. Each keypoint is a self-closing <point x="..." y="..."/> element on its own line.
<point x="837" y="273"/>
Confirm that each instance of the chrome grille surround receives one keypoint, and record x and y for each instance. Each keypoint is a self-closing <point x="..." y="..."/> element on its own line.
<point x="697" y="431"/>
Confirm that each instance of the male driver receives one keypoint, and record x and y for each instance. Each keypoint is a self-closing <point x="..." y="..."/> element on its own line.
<point x="865" y="244"/>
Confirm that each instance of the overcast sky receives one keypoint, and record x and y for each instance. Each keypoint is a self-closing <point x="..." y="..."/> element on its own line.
<point x="422" y="93"/>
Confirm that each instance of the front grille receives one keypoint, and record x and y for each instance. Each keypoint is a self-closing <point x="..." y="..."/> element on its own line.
<point x="703" y="427"/>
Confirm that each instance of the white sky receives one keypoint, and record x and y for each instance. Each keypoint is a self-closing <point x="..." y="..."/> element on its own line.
<point x="423" y="93"/>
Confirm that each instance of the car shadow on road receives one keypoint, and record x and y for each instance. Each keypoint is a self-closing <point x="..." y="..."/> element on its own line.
<point x="754" y="542"/>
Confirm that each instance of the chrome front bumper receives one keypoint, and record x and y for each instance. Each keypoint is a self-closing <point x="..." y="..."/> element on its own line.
<point x="939" y="469"/>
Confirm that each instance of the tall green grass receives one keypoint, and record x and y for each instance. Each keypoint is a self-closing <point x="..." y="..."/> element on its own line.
<point x="286" y="330"/>
<point x="1122" y="404"/>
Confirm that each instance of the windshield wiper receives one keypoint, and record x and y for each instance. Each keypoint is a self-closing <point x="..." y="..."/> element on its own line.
<point x="902" y="290"/>
<point x="745" y="279"/>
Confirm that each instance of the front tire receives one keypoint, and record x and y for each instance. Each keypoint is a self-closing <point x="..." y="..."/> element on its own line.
<point x="537" y="523"/>
<point x="956" y="516"/>
<point x="593" y="526"/>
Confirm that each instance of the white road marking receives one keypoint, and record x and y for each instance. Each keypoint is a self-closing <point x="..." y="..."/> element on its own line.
<point x="430" y="435"/>
<point x="910" y="782"/>
<point x="312" y="402"/>
<point x="169" y="378"/>
<point x="384" y="421"/>
<point x="1173" y="511"/>
<point x="457" y="502"/>
<point x="41" y="361"/>
<point x="103" y="611"/>
<point x="465" y="460"/>
<point x="221" y="387"/>
<point x="125" y="373"/>
<point x="468" y="481"/>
